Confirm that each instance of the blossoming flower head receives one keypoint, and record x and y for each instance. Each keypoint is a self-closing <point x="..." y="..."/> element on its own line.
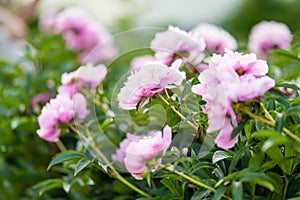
<point x="137" y="153"/>
<point x="173" y="42"/>
<point x="58" y="111"/>
<point x="215" y="37"/>
<point x="269" y="35"/>
<point x="82" y="33"/>
<point x="139" y="61"/>
<point x="231" y="78"/>
<point x="85" y="75"/>
<point x="150" y="79"/>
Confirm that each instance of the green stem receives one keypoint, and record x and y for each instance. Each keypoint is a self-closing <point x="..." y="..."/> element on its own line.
<point x="177" y="112"/>
<point x="285" y="188"/>
<point x="61" y="145"/>
<point x="115" y="173"/>
<point x="253" y="191"/>
<point x="270" y="122"/>
<point x="193" y="181"/>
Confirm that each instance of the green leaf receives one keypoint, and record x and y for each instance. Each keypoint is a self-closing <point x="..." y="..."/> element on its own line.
<point x="257" y="159"/>
<point x="220" y="155"/>
<point x="258" y="178"/>
<point x="173" y="185"/>
<point x="237" y="190"/>
<point x="200" y="194"/>
<point x="237" y="156"/>
<point x="82" y="163"/>
<point x="219" y="193"/>
<point x="295" y="101"/>
<point x="279" y="122"/>
<point x="49" y="184"/>
<point x="65" y="156"/>
<point x="187" y="88"/>
<point x="239" y="127"/>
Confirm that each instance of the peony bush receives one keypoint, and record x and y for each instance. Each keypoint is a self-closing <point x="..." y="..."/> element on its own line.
<point x="192" y="116"/>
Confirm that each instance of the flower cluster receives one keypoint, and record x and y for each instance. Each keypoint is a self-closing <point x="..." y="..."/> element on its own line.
<point x="176" y="43"/>
<point x="137" y="153"/>
<point x="231" y="78"/>
<point x="69" y="104"/>
<point x="81" y="34"/>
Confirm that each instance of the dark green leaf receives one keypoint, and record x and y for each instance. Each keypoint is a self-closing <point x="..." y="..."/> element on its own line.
<point x="173" y="185"/>
<point x="237" y="190"/>
<point x="219" y="193"/>
<point x="65" y="156"/>
<point x="200" y="194"/>
<point x="82" y="163"/>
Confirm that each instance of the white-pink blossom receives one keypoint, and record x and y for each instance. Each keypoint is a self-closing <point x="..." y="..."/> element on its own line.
<point x="174" y="43"/>
<point x="139" y="61"/>
<point x="269" y="35"/>
<point x="86" y="75"/>
<point x="150" y="79"/>
<point x="215" y="37"/>
<point x="139" y="152"/>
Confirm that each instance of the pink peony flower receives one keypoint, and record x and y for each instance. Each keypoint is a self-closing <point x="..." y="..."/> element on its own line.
<point x="85" y="75"/>
<point x="231" y="78"/>
<point x="266" y="36"/>
<point x="136" y="153"/>
<point x="139" y="61"/>
<point x="215" y="37"/>
<point x="82" y="33"/>
<point x="59" y="111"/>
<point x="40" y="98"/>
<point x="176" y="42"/>
<point x="150" y="79"/>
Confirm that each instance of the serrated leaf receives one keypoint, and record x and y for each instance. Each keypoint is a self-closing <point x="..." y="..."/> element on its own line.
<point x="65" y="156"/>
<point x="220" y="155"/>
<point x="237" y="190"/>
<point x="81" y="164"/>
<point x="173" y="185"/>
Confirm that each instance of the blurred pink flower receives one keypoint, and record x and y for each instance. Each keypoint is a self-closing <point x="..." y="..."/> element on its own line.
<point x="85" y="75"/>
<point x="47" y="21"/>
<point x="269" y="35"/>
<point x="58" y="111"/>
<point x="82" y="33"/>
<point x="215" y="37"/>
<point x="139" y="61"/>
<point x="40" y="98"/>
<point x="174" y="43"/>
<point x="231" y="78"/>
<point x="137" y="152"/>
<point x="150" y="79"/>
